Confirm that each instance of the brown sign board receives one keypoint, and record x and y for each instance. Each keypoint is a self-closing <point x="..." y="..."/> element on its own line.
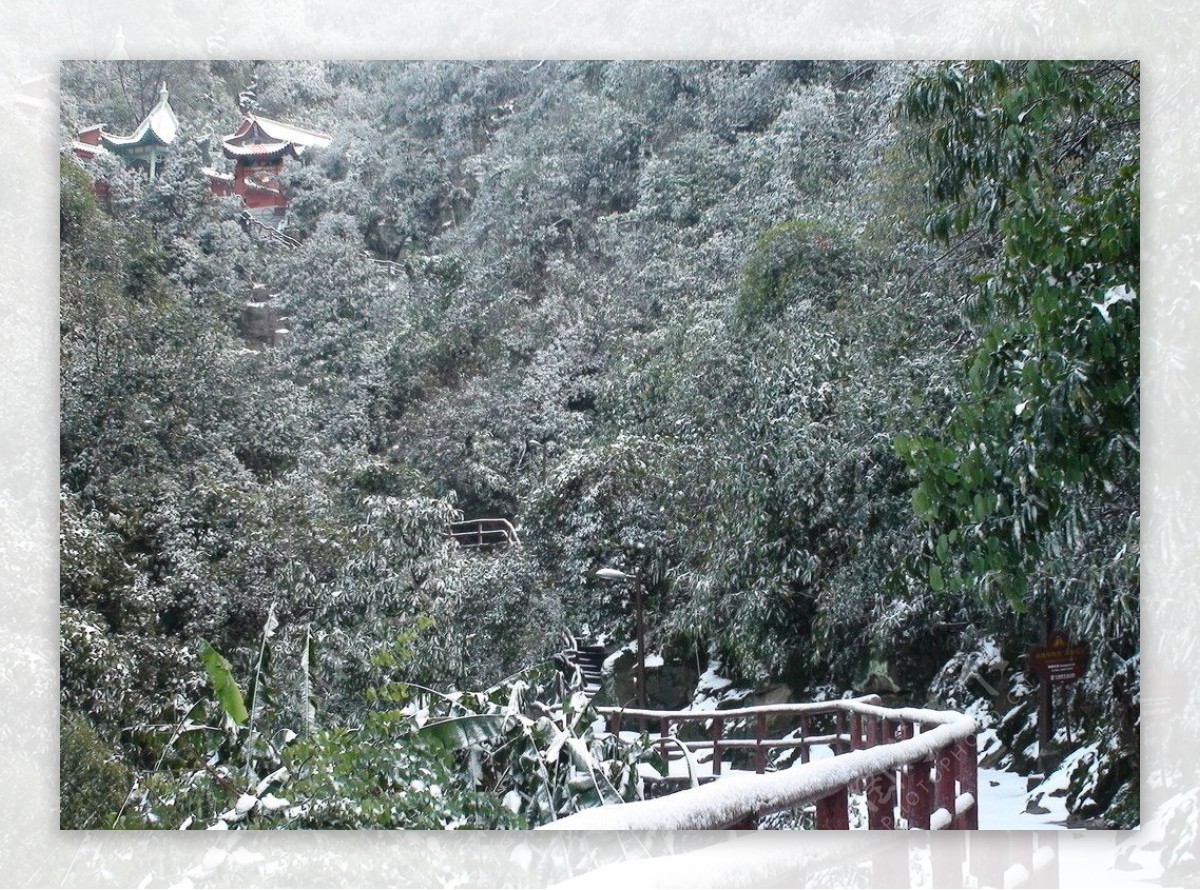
<point x="1060" y="660"/>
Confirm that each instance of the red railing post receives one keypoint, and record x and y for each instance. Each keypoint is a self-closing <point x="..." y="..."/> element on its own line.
<point x="833" y="811"/>
<point x="918" y="794"/>
<point x="908" y="793"/>
<point x="905" y="731"/>
<point x="968" y="781"/>
<point x="872" y="727"/>
<point x="944" y="783"/>
<point x="881" y="802"/>
<point x="760" y="753"/>
<point x="856" y="743"/>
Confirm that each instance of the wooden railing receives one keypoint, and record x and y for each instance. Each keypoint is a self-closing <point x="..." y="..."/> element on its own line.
<point x="389" y="266"/>
<point x="483" y="533"/>
<point x="253" y="223"/>
<point x="817" y="724"/>
<point x="916" y="767"/>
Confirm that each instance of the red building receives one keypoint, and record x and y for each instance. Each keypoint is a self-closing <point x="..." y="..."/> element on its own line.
<point x="258" y="149"/>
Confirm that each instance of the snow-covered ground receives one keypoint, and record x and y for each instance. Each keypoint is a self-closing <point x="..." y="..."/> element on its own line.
<point x="1004" y="802"/>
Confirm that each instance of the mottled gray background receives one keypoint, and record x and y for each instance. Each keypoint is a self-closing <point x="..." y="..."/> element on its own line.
<point x="34" y="37"/>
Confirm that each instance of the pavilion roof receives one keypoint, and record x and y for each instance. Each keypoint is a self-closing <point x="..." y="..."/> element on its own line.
<point x="262" y="137"/>
<point x="158" y="127"/>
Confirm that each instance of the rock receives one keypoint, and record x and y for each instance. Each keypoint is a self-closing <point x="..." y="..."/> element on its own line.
<point x="1035" y="808"/>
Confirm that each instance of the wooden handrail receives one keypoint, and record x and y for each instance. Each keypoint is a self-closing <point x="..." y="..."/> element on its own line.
<point x="272" y="233"/>
<point x="783" y="710"/>
<point x="930" y="770"/>
<point x="717" y="739"/>
<point x="477" y="533"/>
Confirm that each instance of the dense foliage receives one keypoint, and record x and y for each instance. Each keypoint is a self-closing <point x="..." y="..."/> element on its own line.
<point x="840" y="359"/>
<point x="1031" y="491"/>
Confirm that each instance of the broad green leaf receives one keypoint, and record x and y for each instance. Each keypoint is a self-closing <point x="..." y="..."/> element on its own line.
<point x="220" y="672"/>
<point x="461" y="732"/>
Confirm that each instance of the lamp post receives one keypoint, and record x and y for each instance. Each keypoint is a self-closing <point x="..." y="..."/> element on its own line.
<point x="617" y="575"/>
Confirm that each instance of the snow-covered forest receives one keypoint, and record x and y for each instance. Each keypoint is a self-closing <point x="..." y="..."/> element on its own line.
<point x="840" y="359"/>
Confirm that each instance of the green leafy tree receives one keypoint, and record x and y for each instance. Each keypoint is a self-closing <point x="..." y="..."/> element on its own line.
<point x="1041" y="458"/>
<point x="1030" y="495"/>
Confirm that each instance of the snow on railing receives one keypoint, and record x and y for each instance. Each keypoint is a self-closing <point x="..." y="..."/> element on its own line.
<point x="803" y="739"/>
<point x="482" y="533"/>
<point x="390" y="266"/>
<point x="253" y="222"/>
<point x="918" y="761"/>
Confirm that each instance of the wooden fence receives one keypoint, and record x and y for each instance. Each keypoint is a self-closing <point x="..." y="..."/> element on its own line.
<point x="483" y="533"/>
<point x="916" y="767"/>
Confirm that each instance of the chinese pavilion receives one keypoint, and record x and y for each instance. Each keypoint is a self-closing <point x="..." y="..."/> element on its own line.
<point x="145" y="147"/>
<point x="258" y="148"/>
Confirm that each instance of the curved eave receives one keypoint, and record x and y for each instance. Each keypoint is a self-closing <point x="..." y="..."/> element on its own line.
<point x="89" y="149"/>
<point x="148" y="139"/>
<point x="157" y="130"/>
<point x="301" y="137"/>
<point x="264" y="150"/>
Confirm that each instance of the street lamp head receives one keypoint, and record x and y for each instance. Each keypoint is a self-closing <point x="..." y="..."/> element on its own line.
<point x="613" y="575"/>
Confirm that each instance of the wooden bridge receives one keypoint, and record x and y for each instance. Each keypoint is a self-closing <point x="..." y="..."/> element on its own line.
<point x="916" y="768"/>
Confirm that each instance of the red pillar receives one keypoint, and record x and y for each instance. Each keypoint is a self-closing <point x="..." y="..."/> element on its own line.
<point x="833" y="811"/>
<point x="760" y="753"/>
<point x="906" y="799"/>
<point x="872" y="727"/>
<point x="944" y="789"/>
<point x="968" y="781"/>
<point x="918" y="794"/>
<point x="881" y="802"/>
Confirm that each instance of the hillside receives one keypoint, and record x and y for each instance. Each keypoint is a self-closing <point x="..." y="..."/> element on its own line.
<point x="841" y="360"/>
